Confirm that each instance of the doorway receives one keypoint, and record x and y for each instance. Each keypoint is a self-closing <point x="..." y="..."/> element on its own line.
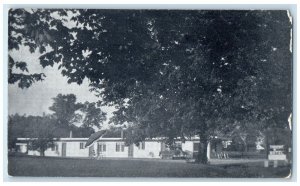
<point x="63" y="149"/>
<point x="130" y="151"/>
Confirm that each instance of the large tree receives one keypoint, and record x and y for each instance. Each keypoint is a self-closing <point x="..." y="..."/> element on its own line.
<point x="218" y="74"/>
<point x="93" y="116"/>
<point x="64" y="108"/>
<point x="69" y="112"/>
<point x="176" y="73"/>
<point x="44" y="134"/>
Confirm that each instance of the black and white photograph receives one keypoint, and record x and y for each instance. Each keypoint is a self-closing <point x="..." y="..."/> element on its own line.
<point x="150" y="93"/>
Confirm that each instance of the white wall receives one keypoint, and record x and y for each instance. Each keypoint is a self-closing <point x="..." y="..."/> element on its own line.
<point x="49" y="151"/>
<point x="33" y="152"/>
<point x="111" y="149"/>
<point x="73" y="149"/>
<point x="22" y="147"/>
<point x="152" y="149"/>
<point x="188" y="146"/>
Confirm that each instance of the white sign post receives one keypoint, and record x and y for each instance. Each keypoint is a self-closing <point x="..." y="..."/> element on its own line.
<point x="276" y="153"/>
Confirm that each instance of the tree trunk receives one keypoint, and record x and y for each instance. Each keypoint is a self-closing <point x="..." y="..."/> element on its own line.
<point x="42" y="153"/>
<point x="267" y="145"/>
<point x="246" y="146"/>
<point x="202" y="151"/>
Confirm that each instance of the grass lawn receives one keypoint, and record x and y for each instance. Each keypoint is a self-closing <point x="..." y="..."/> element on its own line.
<point x="49" y="166"/>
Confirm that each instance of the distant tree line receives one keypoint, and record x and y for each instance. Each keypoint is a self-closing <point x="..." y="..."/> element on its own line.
<point x="80" y="118"/>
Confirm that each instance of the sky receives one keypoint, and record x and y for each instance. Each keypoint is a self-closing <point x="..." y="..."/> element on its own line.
<point x="36" y="99"/>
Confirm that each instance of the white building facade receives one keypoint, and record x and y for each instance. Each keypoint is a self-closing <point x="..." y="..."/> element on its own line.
<point x="106" y="147"/>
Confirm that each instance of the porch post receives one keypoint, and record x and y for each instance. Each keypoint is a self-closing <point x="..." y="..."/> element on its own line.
<point x="208" y="150"/>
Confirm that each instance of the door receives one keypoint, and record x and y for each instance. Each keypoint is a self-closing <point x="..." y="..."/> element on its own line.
<point x="99" y="149"/>
<point x="162" y="146"/>
<point x="63" y="149"/>
<point x="130" y="151"/>
<point x="91" y="151"/>
<point x="196" y="146"/>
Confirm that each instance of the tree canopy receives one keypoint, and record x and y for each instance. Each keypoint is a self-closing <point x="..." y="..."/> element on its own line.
<point x="64" y="108"/>
<point x="93" y="116"/>
<point x="68" y="112"/>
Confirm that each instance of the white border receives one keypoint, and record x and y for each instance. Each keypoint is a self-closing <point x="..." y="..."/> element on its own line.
<point x="161" y="4"/>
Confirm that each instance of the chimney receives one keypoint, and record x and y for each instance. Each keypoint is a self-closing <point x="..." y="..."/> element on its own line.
<point x="71" y="134"/>
<point x="122" y="134"/>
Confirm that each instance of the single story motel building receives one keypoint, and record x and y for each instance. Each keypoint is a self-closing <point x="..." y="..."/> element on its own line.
<point x="108" y="148"/>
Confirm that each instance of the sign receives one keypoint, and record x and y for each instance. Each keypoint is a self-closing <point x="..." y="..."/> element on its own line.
<point x="277" y="152"/>
<point x="276" y="146"/>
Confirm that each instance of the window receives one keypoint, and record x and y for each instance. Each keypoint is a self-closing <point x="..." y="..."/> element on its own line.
<point x="81" y="146"/>
<point x="101" y="147"/>
<point x="117" y="147"/>
<point x="120" y="147"/>
<point x="142" y="145"/>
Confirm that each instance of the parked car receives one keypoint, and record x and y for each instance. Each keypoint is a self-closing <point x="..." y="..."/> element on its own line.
<point x="176" y="154"/>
